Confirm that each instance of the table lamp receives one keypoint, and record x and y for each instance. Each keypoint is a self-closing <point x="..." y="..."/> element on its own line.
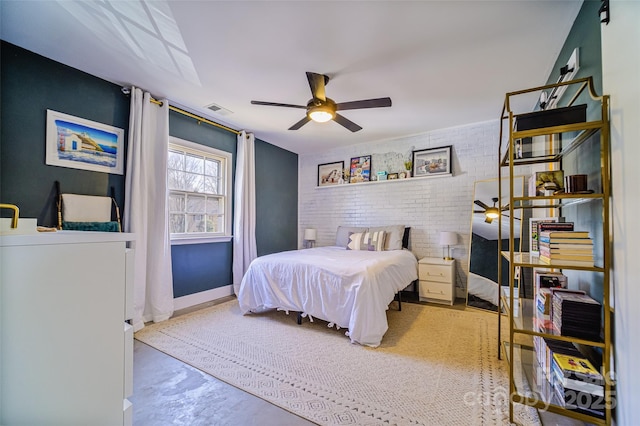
<point x="448" y="239"/>
<point x="309" y="237"/>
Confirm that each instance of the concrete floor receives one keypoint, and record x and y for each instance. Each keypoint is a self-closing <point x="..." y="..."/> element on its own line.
<point x="167" y="391"/>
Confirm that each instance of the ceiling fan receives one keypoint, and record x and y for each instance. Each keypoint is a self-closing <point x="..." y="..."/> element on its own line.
<point x="320" y="108"/>
<point x="491" y="212"/>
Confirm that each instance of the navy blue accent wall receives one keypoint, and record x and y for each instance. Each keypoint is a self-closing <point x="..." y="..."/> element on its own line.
<point x="200" y="267"/>
<point x="484" y="257"/>
<point x="585" y="35"/>
<point x="276" y="199"/>
<point x="30" y="84"/>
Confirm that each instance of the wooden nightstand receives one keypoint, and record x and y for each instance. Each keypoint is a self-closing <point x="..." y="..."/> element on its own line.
<point x="437" y="280"/>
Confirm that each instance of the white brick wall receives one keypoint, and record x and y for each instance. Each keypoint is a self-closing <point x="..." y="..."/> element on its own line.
<point x="428" y="205"/>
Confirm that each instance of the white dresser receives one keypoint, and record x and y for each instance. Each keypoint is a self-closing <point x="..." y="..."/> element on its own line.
<point x="437" y="280"/>
<point x="66" y="350"/>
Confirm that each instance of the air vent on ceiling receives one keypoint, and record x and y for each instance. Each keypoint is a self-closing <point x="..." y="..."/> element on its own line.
<point x="218" y="109"/>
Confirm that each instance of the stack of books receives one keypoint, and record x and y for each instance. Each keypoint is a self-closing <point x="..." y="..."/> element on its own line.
<point x="546" y="347"/>
<point x="542" y="314"/>
<point x="575" y="314"/>
<point x="577" y="385"/>
<point x="571" y="248"/>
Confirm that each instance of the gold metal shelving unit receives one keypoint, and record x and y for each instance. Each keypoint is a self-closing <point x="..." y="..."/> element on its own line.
<point x="527" y="384"/>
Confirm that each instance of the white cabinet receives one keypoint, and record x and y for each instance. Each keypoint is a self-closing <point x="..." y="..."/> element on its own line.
<point x="66" y="351"/>
<point x="437" y="280"/>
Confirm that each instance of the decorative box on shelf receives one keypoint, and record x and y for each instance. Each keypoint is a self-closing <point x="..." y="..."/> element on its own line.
<point x="551" y="117"/>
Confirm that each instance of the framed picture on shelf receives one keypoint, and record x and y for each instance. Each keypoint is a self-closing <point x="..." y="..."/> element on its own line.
<point x="360" y="169"/>
<point x="549" y="182"/>
<point x="330" y="173"/>
<point x="392" y="176"/>
<point x="432" y="162"/>
<point x="83" y="144"/>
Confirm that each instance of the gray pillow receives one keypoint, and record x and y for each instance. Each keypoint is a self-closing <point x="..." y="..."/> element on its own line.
<point x="342" y="235"/>
<point x="394" y="235"/>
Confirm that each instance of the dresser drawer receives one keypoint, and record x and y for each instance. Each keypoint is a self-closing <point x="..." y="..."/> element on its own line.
<point x="441" y="273"/>
<point x="435" y="290"/>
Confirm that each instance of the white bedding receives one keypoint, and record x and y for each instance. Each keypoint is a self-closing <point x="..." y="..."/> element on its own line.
<point x="482" y="287"/>
<point x="350" y="288"/>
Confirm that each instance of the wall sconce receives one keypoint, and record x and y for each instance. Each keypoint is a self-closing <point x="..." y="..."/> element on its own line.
<point x="448" y="239"/>
<point x="604" y="12"/>
<point x="310" y="235"/>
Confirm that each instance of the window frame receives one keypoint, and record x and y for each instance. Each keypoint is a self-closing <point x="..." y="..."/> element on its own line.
<point x="204" y="237"/>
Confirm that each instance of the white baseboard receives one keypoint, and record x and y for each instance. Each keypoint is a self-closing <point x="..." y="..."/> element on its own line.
<point x="201" y="297"/>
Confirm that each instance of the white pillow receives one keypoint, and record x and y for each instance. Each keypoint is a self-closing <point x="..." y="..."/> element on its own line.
<point x="370" y="241"/>
<point x="394" y="234"/>
<point x="342" y="235"/>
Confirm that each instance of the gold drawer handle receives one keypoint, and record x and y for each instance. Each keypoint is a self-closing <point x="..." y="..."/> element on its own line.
<point x="16" y="213"/>
<point x="435" y="292"/>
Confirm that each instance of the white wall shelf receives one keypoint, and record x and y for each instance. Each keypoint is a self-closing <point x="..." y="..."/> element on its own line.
<point x="386" y="181"/>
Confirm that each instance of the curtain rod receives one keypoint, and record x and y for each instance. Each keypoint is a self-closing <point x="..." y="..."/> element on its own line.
<point x="196" y="117"/>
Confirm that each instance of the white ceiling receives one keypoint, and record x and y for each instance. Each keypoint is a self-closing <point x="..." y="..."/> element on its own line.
<point x="443" y="63"/>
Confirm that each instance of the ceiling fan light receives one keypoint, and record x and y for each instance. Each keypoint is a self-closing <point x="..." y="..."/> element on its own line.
<point x="492" y="213"/>
<point x="321" y="114"/>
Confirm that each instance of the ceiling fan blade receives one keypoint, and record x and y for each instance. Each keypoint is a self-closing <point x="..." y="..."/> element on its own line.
<point x="317" y="83"/>
<point x="300" y="123"/>
<point x="346" y="123"/>
<point x="277" y="104"/>
<point x="481" y="204"/>
<point x="505" y="207"/>
<point x="366" y="103"/>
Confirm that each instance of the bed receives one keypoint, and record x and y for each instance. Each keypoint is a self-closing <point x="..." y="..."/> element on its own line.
<point x="483" y="288"/>
<point x="349" y="288"/>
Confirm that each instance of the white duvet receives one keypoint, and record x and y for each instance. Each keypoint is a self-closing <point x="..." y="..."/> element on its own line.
<point x="482" y="287"/>
<point x="350" y="288"/>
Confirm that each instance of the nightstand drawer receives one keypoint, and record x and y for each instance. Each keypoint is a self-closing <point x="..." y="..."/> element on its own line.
<point x="435" y="290"/>
<point x="441" y="273"/>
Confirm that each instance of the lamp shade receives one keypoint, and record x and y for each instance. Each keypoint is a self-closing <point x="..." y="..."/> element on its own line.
<point x="448" y="238"/>
<point x="310" y="234"/>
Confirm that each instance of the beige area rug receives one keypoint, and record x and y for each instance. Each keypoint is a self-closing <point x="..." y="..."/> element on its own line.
<point x="435" y="366"/>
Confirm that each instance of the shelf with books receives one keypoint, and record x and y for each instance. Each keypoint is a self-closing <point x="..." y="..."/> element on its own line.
<point x="537" y="386"/>
<point x="568" y="190"/>
<point x="527" y="320"/>
<point x="525" y="260"/>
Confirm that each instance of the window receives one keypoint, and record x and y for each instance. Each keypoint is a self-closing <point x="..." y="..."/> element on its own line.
<point x="199" y="183"/>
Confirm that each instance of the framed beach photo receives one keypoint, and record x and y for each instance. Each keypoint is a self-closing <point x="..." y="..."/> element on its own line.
<point x="83" y="144"/>
<point x="330" y="173"/>
<point x="432" y="161"/>
<point x="360" y="169"/>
